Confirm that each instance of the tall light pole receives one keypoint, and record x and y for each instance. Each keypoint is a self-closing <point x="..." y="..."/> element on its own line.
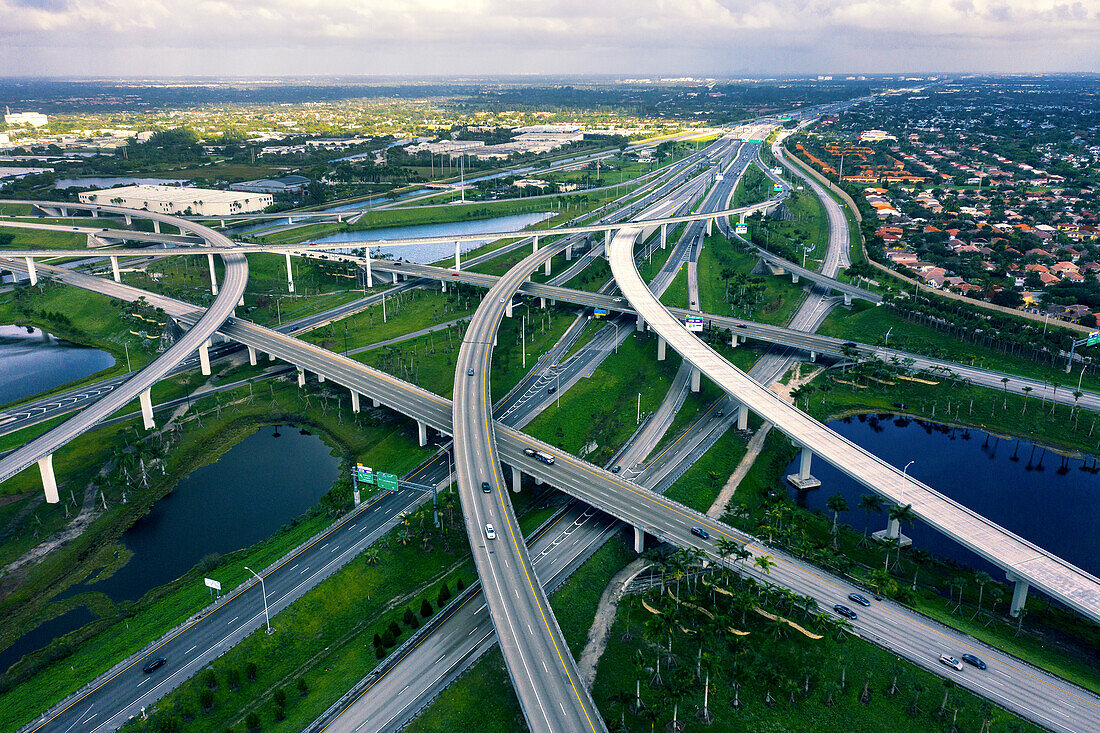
<point x="263" y="589"/>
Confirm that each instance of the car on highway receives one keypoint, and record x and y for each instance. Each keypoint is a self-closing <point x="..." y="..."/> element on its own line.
<point x="490" y="533"/>
<point x="529" y="452"/>
<point x="857" y="598"/>
<point x="700" y="533"/>
<point x="742" y="325"/>
<point x="616" y="469"/>
<point x="845" y="611"/>
<point x="153" y="665"/>
<point x="469" y="372"/>
<point x="551" y="389"/>
<point x="485" y="488"/>
<point x="950" y="661"/>
<point x="973" y="661"/>
<point x="502" y="300"/>
<point x="719" y="414"/>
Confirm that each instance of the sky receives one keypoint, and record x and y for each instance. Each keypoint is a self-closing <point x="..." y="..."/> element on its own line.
<point x="148" y="38"/>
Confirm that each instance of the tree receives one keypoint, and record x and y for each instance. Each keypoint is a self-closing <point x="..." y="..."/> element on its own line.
<point x="948" y="686"/>
<point x="444" y="596"/>
<point x="903" y="515"/>
<point x="1027" y="391"/>
<point x="206" y="698"/>
<point x="394" y="630"/>
<point x="233" y="678"/>
<point x="252" y="721"/>
<point x="426" y="608"/>
<point x="250" y="671"/>
<point x="303" y="688"/>
<point x="279" y="696"/>
<point x="836" y="504"/>
<point x="764" y="563"/>
<point x="409" y="619"/>
<point x="460" y="586"/>
<point x="981" y="578"/>
<point x="387" y="639"/>
<point x="209" y="679"/>
<point x="869" y="503"/>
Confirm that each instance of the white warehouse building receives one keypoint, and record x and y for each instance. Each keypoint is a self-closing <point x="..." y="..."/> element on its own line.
<point x="179" y="199"/>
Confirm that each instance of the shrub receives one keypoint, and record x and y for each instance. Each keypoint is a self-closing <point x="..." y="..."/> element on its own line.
<point x="303" y="688"/>
<point x="395" y="630"/>
<point x="379" y="652"/>
<point x="250" y="671"/>
<point x="280" y="713"/>
<point x="444" y="596"/>
<point x="209" y="679"/>
<point x="206" y="699"/>
<point x="377" y="641"/>
<point x="387" y="639"/>
<point x="460" y="586"/>
<point x="233" y="678"/>
<point x="279" y="697"/>
<point x="410" y="619"/>
<point x="252" y="721"/>
<point x="426" y="608"/>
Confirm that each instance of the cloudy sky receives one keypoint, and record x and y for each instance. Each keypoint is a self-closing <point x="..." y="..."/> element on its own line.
<point x="445" y="37"/>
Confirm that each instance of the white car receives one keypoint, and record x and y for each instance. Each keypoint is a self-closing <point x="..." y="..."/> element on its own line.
<point x="491" y="534"/>
<point x="950" y="661"/>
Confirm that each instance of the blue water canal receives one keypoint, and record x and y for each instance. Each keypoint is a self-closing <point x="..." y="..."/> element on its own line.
<point x="259" y="485"/>
<point x="34" y="361"/>
<point x="1049" y="499"/>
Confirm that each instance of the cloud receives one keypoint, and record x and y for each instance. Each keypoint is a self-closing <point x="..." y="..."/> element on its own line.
<point x="497" y="36"/>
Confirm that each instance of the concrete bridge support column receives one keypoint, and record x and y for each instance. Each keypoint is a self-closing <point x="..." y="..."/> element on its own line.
<point x="422" y="433"/>
<point x="156" y="226"/>
<point x="535" y="245"/>
<point x="146" y="399"/>
<point x="710" y="226"/>
<point x="542" y="302"/>
<point x="1019" y="593"/>
<point x="458" y="257"/>
<point x="354" y="401"/>
<point x="794" y="278"/>
<point x="569" y="253"/>
<point x="49" y="480"/>
<point x="639" y="540"/>
<point x="213" y="275"/>
<point x="221" y="223"/>
<point x="115" y="270"/>
<point x="639" y="324"/>
<point x="31" y="271"/>
<point x="251" y="356"/>
<point x="661" y="348"/>
<point x="204" y="358"/>
<point x="320" y="378"/>
<point x="375" y="403"/>
<point x="301" y="377"/>
<point x="95" y="213"/>
<point x="664" y="235"/>
<point x="508" y="308"/>
<point x="370" y="276"/>
<point x="547" y="267"/>
<point x="695" y="376"/>
<point x="517" y="479"/>
<point x="742" y="417"/>
<point x="733" y="339"/>
<point x="128" y="219"/>
<point x="813" y="356"/>
<point x="847" y="299"/>
<point x="289" y="275"/>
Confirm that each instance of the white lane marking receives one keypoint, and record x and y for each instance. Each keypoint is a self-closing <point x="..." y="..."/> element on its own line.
<point x="233" y="619"/>
<point x="139" y="684"/>
<point x="190" y="650"/>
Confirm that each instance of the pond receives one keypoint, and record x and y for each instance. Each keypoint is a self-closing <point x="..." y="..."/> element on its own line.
<point x="112" y="181"/>
<point x="260" y="484"/>
<point x="1046" y="498"/>
<point x="35" y="361"/>
<point x="428" y="253"/>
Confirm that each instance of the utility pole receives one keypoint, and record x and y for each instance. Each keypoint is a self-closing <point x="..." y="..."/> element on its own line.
<point x="638" y="420"/>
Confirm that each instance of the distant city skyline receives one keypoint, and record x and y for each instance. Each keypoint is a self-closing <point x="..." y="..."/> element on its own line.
<point x="635" y="37"/>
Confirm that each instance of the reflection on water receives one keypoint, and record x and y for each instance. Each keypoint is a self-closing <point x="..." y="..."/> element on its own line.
<point x="35" y="361"/>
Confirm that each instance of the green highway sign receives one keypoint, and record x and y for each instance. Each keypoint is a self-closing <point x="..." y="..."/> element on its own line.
<point x="387" y="481"/>
<point x="364" y="474"/>
<point x="1093" y="339"/>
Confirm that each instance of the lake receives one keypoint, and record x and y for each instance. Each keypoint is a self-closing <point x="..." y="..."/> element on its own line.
<point x="35" y="361"/>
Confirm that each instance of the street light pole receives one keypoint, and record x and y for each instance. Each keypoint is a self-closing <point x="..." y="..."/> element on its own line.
<point x="263" y="589"/>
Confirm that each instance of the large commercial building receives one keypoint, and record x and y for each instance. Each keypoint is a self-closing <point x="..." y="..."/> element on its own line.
<point x="180" y="200"/>
<point x="286" y="184"/>
<point x="34" y="119"/>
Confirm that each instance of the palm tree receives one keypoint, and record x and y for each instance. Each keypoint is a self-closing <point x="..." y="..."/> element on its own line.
<point x="869" y="503"/>
<point x="1027" y="391"/>
<point x="1004" y="381"/>
<point x="836" y="504"/>
<point x="764" y="563"/>
<point x="902" y="515"/>
<point x="981" y="578"/>
<point x="948" y="686"/>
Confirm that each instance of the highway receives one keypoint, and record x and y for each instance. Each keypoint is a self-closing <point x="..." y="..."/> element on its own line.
<point x="42" y="447"/>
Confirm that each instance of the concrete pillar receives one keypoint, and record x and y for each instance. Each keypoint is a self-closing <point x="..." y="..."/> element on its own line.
<point x="695" y="377"/>
<point x="146" y="399"/>
<point x="535" y="245"/>
<point x="375" y="403"/>
<point x="354" y="401"/>
<point x="733" y="339"/>
<point x="893" y="527"/>
<point x="251" y="356"/>
<point x="804" y="463"/>
<point x="1019" y="593"/>
<point x="270" y="356"/>
<point x="547" y="270"/>
<point x="442" y="286"/>
<point x="813" y="356"/>
<point x="31" y="271"/>
<point x="664" y="235"/>
<point x="49" y="481"/>
<point x="301" y="377"/>
<point x="221" y="223"/>
<point x="289" y="275"/>
<point x="508" y="308"/>
<point x="156" y="226"/>
<point x="639" y="540"/>
<point x="213" y="275"/>
<point x="422" y="433"/>
<point x="569" y="253"/>
<point x="661" y="348"/>
<point x="517" y="479"/>
<point x="794" y="278"/>
<point x="639" y="324"/>
<point x="458" y="257"/>
<point x="847" y="299"/>
<point x="115" y="270"/>
<point x="370" y="276"/>
<point x="710" y="226"/>
<point x="320" y="378"/>
<point x="742" y="417"/>
<point x="129" y="221"/>
<point x="95" y="213"/>
<point x="204" y="358"/>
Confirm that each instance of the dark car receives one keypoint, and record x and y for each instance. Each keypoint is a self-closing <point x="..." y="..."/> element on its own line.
<point x="845" y="611"/>
<point x="616" y="469"/>
<point x="153" y="665"/>
<point x="974" y="661"/>
<point x="742" y="325"/>
<point x="551" y="389"/>
<point x="469" y="372"/>
<point x="857" y="598"/>
<point x="485" y="487"/>
<point x="700" y="532"/>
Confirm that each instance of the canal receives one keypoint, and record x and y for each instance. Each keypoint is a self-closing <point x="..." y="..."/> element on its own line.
<point x="1044" y="497"/>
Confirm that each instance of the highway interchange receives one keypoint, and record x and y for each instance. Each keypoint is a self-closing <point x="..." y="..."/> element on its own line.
<point x="478" y="431"/>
